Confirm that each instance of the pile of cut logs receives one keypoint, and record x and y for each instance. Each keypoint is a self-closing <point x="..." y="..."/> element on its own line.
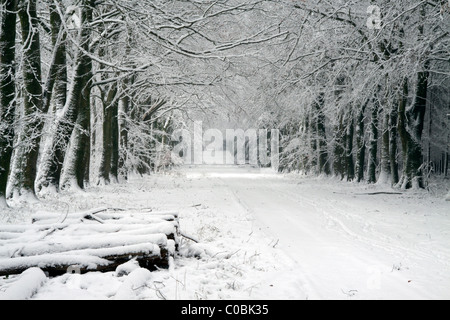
<point x="97" y="240"/>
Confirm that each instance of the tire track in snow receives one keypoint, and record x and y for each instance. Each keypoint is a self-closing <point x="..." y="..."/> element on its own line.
<point x="381" y="240"/>
<point x="306" y="225"/>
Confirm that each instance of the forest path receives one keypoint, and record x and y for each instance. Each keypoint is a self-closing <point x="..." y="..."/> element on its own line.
<point x="343" y="239"/>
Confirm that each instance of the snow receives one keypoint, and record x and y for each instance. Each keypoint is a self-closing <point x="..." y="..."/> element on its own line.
<point x="52" y="260"/>
<point x="60" y="244"/>
<point x="136" y="281"/>
<point x="268" y="236"/>
<point x="26" y="285"/>
<point x="126" y="268"/>
<point x="3" y="204"/>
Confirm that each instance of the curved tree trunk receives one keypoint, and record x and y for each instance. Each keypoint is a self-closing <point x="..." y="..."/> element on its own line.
<point x="56" y="88"/>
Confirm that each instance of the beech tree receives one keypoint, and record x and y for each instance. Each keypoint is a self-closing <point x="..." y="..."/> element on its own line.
<point x="25" y="169"/>
<point x="7" y="91"/>
<point x="381" y="57"/>
<point x="92" y="91"/>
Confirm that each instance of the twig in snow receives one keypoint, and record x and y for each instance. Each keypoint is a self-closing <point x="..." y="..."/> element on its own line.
<point x="67" y="213"/>
<point x="378" y="193"/>
<point x="178" y="281"/>
<point x="94" y="218"/>
<point x="189" y="237"/>
<point x="369" y="193"/>
<point x="229" y="256"/>
<point x="131" y="209"/>
<point x="350" y="293"/>
<point x="250" y="289"/>
<point x="276" y="243"/>
<point x="160" y="295"/>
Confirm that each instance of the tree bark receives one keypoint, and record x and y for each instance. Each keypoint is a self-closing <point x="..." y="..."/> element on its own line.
<point x="124" y="107"/>
<point x="360" y="144"/>
<point x="313" y="139"/>
<point x="53" y="160"/>
<point x="413" y="121"/>
<point x="56" y="85"/>
<point x="7" y="92"/>
<point x="115" y="154"/>
<point x="350" y="163"/>
<point x="28" y="151"/>
<point x="109" y="117"/>
<point x="324" y="164"/>
<point x="339" y="148"/>
<point x="416" y="117"/>
<point x="393" y="147"/>
<point x="77" y="163"/>
<point x="373" y="143"/>
<point x="56" y="89"/>
<point x="446" y="163"/>
<point x="385" y="170"/>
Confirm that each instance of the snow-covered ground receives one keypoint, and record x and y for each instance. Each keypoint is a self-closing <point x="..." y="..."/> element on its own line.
<point x="269" y="236"/>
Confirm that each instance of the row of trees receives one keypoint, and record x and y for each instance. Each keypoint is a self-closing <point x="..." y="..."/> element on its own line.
<point x="363" y="89"/>
<point x="91" y="90"/>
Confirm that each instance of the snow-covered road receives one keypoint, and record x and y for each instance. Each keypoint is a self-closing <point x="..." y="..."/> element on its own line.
<point x="344" y="239"/>
<point x="269" y="236"/>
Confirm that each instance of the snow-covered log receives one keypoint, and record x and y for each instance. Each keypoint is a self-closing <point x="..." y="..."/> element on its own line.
<point x="25" y="286"/>
<point x="147" y="254"/>
<point x="54" y="218"/>
<point x="100" y="214"/>
<point x="79" y="240"/>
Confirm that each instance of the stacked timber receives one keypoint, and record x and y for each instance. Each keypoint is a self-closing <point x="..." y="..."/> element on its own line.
<point x="96" y="240"/>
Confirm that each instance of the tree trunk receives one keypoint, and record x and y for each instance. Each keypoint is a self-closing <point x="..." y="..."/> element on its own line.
<point x="446" y="163"/>
<point x="124" y="106"/>
<point x="53" y="159"/>
<point x="411" y="124"/>
<point x="56" y="87"/>
<point x="385" y="170"/>
<point x="324" y="164"/>
<point x="349" y="150"/>
<point x="360" y="144"/>
<point x="77" y="163"/>
<point x="416" y="117"/>
<point x="393" y="148"/>
<point x="109" y="116"/>
<point x="402" y="101"/>
<point x="339" y="148"/>
<point x="373" y="143"/>
<point x="28" y="151"/>
<point x="7" y="92"/>
<point x="313" y="155"/>
<point x="115" y="154"/>
<point x="304" y="154"/>
<point x="414" y="121"/>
